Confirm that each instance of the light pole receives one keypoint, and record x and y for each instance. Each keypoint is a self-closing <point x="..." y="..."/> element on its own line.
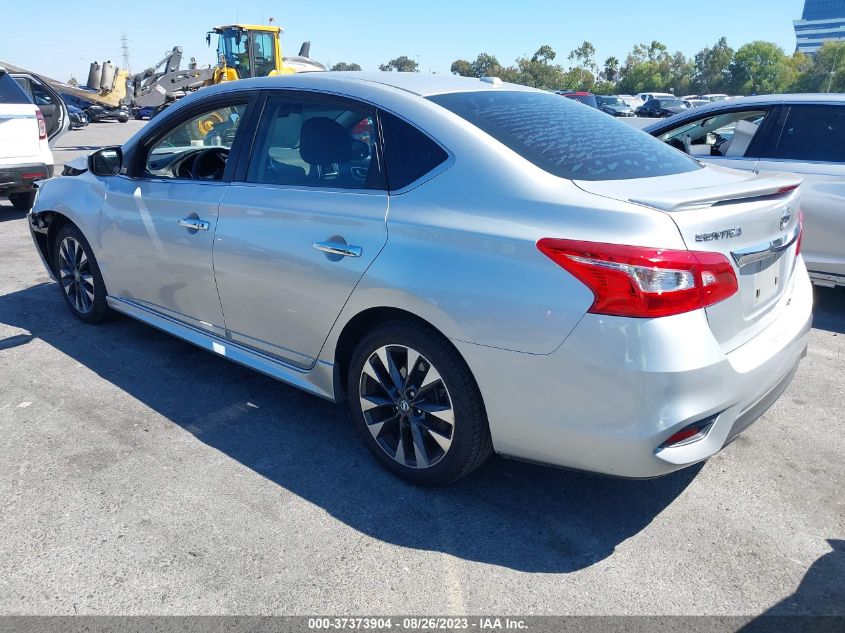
<point x="832" y="71"/>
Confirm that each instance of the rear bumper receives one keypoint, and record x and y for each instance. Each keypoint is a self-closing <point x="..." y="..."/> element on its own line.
<point x="19" y="178"/>
<point x="617" y="388"/>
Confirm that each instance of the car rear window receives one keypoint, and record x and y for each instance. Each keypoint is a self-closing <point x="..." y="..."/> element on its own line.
<point x="566" y="139"/>
<point x="10" y="91"/>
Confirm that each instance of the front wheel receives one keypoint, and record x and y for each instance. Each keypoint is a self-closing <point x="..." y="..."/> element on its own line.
<point x="79" y="276"/>
<point x="417" y="405"/>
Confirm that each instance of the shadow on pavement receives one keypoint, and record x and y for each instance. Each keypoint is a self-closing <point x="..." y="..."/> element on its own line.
<point x="516" y="515"/>
<point x="818" y="604"/>
<point x="829" y="309"/>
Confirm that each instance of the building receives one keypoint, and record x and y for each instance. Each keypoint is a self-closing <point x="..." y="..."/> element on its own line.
<point x="822" y="21"/>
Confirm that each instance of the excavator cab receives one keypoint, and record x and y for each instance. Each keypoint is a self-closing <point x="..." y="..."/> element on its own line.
<point x="245" y="51"/>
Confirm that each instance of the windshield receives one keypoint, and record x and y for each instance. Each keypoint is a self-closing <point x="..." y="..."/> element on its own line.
<point x="565" y="138"/>
<point x="671" y="103"/>
<point x="251" y="54"/>
<point x="612" y="101"/>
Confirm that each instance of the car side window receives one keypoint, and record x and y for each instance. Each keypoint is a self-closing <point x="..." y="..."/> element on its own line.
<point x="727" y="134"/>
<point x="196" y="149"/>
<point x="408" y="153"/>
<point x="810" y="133"/>
<point x="313" y="142"/>
<point x="40" y="96"/>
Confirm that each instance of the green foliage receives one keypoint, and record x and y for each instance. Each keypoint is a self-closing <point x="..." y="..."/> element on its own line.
<point x="403" y="64"/>
<point x="756" y="68"/>
<point x="345" y="66"/>
<point x="711" y="72"/>
<point x="760" y="68"/>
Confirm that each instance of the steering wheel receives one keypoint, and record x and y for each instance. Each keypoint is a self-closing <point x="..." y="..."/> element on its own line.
<point x="210" y="163"/>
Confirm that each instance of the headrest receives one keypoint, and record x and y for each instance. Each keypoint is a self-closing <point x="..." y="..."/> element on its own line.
<point x="324" y="141"/>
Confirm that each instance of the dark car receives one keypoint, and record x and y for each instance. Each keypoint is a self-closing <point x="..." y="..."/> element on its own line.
<point x="144" y="112"/>
<point x="661" y="107"/>
<point x="78" y="118"/>
<point x="97" y="113"/>
<point x="587" y="98"/>
<point x="614" y="106"/>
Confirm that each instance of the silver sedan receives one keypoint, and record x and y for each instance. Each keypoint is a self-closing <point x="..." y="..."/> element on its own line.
<point x="475" y="266"/>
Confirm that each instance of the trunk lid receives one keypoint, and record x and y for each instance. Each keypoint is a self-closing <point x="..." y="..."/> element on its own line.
<point x="18" y="131"/>
<point x="751" y="219"/>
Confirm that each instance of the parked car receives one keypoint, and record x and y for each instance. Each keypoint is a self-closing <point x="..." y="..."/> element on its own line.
<point x="632" y="101"/>
<point x="646" y="96"/>
<point x="145" y="112"/>
<point x="476" y="267"/>
<point x="661" y="107"/>
<point x="25" y="156"/>
<point x="49" y="102"/>
<point x="614" y="106"/>
<point x="587" y="98"/>
<point x="78" y="118"/>
<point x="97" y="113"/>
<point x="695" y="103"/>
<point x="714" y="97"/>
<point x="800" y="134"/>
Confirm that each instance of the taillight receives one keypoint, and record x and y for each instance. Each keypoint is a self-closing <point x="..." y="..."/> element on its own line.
<point x="42" y="125"/>
<point x="800" y="232"/>
<point x="635" y="281"/>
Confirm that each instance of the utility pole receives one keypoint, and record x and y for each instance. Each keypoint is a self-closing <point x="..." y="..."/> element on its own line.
<point x="124" y="44"/>
<point x="832" y="72"/>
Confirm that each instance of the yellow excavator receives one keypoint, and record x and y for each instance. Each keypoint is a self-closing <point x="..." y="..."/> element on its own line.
<point x="251" y="50"/>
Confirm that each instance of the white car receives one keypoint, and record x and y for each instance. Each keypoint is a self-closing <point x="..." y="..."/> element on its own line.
<point x="631" y="101"/>
<point x="25" y="156"/>
<point x="646" y="96"/>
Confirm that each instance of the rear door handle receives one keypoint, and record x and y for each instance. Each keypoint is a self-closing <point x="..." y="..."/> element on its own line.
<point x="338" y="248"/>
<point x="195" y="224"/>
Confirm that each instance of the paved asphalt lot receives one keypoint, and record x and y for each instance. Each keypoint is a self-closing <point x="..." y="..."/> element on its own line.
<point x="142" y="475"/>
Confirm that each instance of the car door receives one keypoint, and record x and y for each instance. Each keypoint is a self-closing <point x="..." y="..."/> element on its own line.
<point x="158" y="220"/>
<point x="810" y="141"/>
<point x="300" y="224"/>
<point x="53" y="108"/>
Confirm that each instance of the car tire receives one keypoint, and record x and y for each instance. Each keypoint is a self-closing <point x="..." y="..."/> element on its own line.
<point x="79" y="277"/>
<point x="436" y="415"/>
<point x="22" y="201"/>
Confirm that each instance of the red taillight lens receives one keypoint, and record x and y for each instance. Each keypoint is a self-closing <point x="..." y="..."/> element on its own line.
<point x="636" y="281"/>
<point x="42" y="125"/>
<point x="800" y="232"/>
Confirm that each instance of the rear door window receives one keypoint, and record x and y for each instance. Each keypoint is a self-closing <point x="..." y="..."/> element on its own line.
<point x="409" y="154"/>
<point x="11" y="92"/>
<point x="312" y="141"/>
<point x="566" y="139"/>
<point x="810" y="133"/>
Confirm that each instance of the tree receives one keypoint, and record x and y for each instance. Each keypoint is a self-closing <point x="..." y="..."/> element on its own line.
<point x="712" y="68"/>
<point x="611" y="69"/>
<point x="345" y="66"/>
<point x="461" y="67"/>
<point x="485" y="66"/>
<point x="824" y="72"/>
<point x="760" y="68"/>
<point x="584" y="58"/>
<point x="537" y="71"/>
<point x="72" y="81"/>
<point x="403" y="64"/>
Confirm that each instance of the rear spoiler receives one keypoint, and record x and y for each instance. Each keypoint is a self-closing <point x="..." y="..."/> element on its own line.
<point x="767" y="186"/>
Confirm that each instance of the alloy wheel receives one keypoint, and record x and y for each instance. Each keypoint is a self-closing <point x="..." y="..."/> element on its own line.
<point x="75" y="275"/>
<point x="406" y="406"/>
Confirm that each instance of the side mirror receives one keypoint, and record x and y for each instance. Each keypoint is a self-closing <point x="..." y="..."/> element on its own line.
<point x="106" y="161"/>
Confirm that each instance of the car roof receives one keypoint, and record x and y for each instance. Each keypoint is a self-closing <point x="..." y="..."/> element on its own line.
<point x="421" y="84"/>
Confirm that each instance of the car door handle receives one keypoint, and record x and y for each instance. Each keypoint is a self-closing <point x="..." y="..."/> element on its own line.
<point x="338" y="248"/>
<point x="195" y="224"/>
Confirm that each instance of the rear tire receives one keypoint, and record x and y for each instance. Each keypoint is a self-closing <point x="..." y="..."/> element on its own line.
<point x="22" y="201"/>
<point x="80" y="280"/>
<point x="425" y="423"/>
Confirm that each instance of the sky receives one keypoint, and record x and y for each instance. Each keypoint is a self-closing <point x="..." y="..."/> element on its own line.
<point x="58" y="38"/>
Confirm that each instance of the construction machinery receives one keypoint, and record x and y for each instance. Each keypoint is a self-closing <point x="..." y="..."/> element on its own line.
<point x="250" y="50"/>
